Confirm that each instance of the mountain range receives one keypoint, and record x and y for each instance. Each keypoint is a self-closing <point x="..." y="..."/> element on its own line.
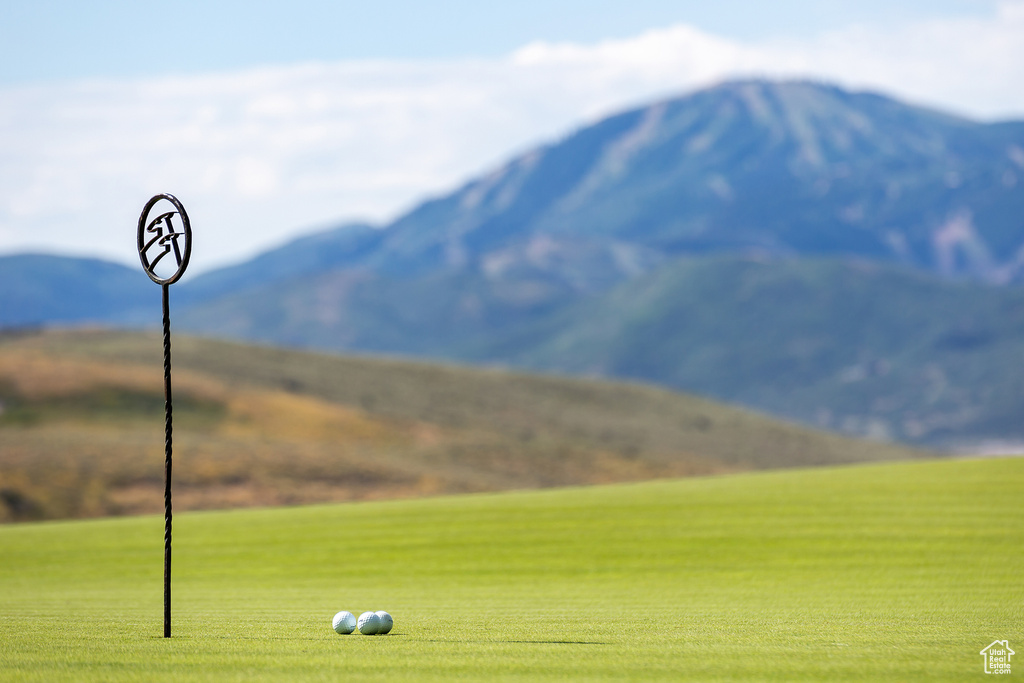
<point x="834" y="257"/>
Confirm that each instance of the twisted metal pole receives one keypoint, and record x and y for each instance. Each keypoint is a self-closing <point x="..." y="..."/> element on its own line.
<point x="167" y="462"/>
<point x="156" y="239"/>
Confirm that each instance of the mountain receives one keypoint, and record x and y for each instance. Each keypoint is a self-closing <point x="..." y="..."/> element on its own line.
<point x="781" y="168"/>
<point x="40" y="289"/>
<point x="323" y="251"/>
<point x="43" y="289"/>
<point x="629" y="247"/>
<point x="791" y="168"/>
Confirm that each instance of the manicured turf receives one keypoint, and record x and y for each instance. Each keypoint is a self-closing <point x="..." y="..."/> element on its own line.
<point x="876" y="572"/>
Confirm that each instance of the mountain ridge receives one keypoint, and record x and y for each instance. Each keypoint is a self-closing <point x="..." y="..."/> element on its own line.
<point x="736" y="154"/>
<point x="781" y="172"/>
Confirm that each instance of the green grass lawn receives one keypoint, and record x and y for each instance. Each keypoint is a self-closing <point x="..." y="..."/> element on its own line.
<point x="875" y="572"/>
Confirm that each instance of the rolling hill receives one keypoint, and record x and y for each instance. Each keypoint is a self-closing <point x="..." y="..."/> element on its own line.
<point x="81" y="428"/>
<point x="858" y="347"/>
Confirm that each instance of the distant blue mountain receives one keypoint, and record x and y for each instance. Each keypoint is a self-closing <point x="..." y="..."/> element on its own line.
<point x="624" y="249"/>
<point x="38" y="289"/>
<point x="316" y="253"/>
<point x="790" y="168"/>
<point x="778" y="169"/>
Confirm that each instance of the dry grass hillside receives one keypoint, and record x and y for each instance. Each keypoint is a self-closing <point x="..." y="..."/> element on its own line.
<point x="81" y="428"/>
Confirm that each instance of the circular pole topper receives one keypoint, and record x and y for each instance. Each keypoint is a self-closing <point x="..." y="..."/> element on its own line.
<point x="165" y="239"/>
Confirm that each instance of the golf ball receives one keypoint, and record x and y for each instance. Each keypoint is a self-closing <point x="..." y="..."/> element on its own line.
<point x="369" y="622"/>
<point x="344" y="622"/>
<point x="386" y="622"/>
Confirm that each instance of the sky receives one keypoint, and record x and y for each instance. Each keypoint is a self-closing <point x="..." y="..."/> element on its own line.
<point x="270" y="119"/>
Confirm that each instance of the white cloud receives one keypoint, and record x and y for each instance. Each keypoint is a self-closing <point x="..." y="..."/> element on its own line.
<point x="970" y="66"/>
<point x="260" y="154"/>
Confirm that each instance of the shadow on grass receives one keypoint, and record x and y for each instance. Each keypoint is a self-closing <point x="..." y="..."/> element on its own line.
<point x="523" y="642"/>
<point x="555" y="642"/>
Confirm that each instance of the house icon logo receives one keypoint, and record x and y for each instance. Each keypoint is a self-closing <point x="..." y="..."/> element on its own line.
<point x="997" y="657"/>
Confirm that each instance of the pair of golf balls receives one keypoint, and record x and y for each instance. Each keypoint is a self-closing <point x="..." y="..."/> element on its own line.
<point x="369" y="623"/>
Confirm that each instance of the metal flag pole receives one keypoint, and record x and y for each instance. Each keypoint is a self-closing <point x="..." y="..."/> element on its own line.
<point x="157" y="238"/>
<point x="168" y="450"/>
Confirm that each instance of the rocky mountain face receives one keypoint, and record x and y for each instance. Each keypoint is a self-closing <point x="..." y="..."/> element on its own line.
<point x="789" y="168"/>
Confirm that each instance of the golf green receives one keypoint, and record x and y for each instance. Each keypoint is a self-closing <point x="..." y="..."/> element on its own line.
<point x="900" y="571"/>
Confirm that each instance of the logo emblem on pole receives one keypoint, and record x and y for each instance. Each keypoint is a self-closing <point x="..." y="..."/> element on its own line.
<point x="165" y="239"/>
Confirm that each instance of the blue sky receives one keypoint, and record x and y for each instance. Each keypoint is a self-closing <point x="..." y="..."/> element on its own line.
<point x="274" y="119"/>
<point x="45" y="40"/>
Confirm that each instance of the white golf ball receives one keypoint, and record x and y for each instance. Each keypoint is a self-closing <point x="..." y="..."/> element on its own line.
<point x="368" y="623"/>
<point x="344" y="623"/>
<point x="386" y="622"/>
